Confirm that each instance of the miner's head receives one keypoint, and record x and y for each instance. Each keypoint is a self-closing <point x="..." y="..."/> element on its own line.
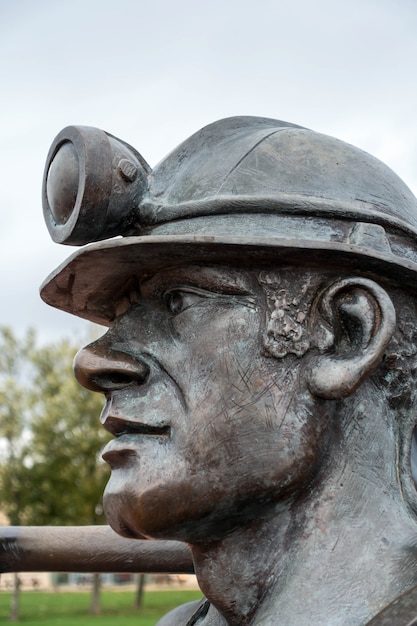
<point x="252" y="297"/>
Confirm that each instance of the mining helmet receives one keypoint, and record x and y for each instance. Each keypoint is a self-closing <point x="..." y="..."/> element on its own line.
<point x="243" y="190"/>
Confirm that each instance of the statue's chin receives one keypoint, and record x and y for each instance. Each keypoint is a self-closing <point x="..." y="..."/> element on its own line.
<point x="181" y="511"/>
<point x="150" y="514"/>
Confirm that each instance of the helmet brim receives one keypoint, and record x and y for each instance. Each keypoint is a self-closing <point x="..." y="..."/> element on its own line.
<point x="92" y="281"/>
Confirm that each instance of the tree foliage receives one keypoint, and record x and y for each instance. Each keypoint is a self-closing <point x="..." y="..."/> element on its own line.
<point x="13" y="422"/>
<point x="50" y="467"/>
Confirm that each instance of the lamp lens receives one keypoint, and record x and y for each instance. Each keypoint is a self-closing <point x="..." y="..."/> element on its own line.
<point x="62" y="182"/>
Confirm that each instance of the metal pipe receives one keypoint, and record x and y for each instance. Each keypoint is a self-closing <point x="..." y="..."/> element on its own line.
<point x="87" y="549"/>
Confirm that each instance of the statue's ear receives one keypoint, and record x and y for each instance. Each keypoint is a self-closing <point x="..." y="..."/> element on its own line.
<point x="360" y="319"/>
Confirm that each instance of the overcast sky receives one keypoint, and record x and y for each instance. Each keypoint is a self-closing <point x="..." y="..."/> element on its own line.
<point x="152" y="72"/>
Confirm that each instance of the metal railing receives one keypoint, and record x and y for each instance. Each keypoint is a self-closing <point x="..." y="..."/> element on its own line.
<point x="87" y="549"/>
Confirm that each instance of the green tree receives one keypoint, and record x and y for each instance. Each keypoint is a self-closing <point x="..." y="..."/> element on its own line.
<point x="66" y="442"/>
<point x="50" y="467"/>
<point x="13" y="427"/>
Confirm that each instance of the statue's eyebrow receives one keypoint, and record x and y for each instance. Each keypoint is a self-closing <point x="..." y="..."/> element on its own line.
<point x="231" y="282"/>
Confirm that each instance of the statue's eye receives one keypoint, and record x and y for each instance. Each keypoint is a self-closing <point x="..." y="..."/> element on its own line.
<point x="178" y="300"/>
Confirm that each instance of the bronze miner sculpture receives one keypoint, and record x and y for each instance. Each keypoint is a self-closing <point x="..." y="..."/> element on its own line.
<point x="259" y="368"/>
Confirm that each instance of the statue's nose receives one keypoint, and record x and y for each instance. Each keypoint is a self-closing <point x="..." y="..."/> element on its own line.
<point x="101" y="369"/>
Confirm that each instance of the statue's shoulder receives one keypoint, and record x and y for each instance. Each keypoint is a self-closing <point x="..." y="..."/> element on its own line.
<point x="182" y="615"/>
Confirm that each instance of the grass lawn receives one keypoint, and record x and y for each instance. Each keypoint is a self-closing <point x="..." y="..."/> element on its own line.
<point x="38" y="608"/>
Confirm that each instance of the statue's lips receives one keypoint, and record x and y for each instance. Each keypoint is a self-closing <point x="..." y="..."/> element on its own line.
<point x="125" y="444"/>
<point x="120" y="426"/>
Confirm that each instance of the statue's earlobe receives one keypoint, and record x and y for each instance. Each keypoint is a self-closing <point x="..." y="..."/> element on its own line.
<point x="362" y="320"/>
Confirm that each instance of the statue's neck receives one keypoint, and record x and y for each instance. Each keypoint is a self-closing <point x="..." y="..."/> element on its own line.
<point x="237" y="573"/>
<point x="337" y="557"/>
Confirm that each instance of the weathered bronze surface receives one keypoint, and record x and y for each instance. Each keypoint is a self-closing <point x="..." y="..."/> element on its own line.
<point x="259" y="367"/>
